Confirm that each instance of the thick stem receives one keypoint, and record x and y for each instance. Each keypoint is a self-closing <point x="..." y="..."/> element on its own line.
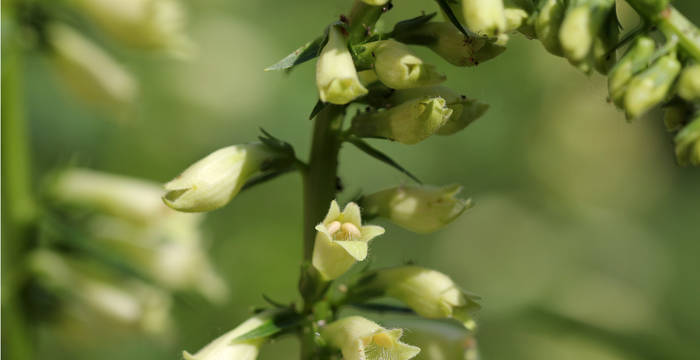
<point x="673" y="22"/>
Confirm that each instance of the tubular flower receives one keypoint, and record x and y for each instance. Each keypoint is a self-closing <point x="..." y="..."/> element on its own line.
<point x="582" y="22"/>
<point x="362" y="339"/>
<point x="689" y="83"/>
<point x="408" y="123"/>
<point x="547" y="24"/>
<point x="651" y="86"/>
<point x="399" y="68"/>
<point x="429" y="293"/>
<point x="375" y="2"/>
<point x="226" y="348"/>
<point x="336" y="76"/>
<point x="88" y="70"/>
<point x="421" y="209"/>
<point x="341" y="240"/>
<point x="484" y="17"/>
<point x="439" y="340"/>
<point x="634" y="61"/>
<point x="213" y="181"/>
<point x="150" y="24"/>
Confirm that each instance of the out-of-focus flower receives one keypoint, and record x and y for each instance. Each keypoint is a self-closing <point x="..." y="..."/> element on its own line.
<point x="341" y="240"/>
<point x="651" y="86"/>
<point x="689" y="83"/>
<point x="150" y="24"/>
<point x="131" y="302"/>
<point x="407" y="123"/>
<point x="421" y="209"/>
<point x="362" y="339"/>
<point x="634" y="61"/>
<point x="581" y="25"/>
<point x="439" y="340"/>
<point x="375" y="2"/>
<point x="213" y="181"/>
<point x="399" y="68"/>
<point x="429" y="293"/>
<point x="548" y="23"/>
<point x="88" y="70"/>
<point x="484" y="17"/>
<point x="688" y="143"/>
<point x="226" y="348"/>
<point x="336" y="77"/>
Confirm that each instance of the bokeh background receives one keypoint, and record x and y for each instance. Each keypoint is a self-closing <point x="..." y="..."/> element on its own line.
<point x="583" y="243"/>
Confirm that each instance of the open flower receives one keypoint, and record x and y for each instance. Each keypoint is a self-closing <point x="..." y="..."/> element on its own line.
<point x="225" y="348"/>
<point x="399" y="68"/>
<point x="341" y="240"/>
<point x="213" y="181"/>
<point x="362" y="339"/>
<point x="429" y="293"/>
<point x="421" y="209"/>
<point x="407" y="123"/>
<point x="336" y="76"/>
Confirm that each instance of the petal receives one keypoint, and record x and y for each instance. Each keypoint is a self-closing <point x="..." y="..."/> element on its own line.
<point x="351" y="214"/>
<point x="369" y="232"/>
<point x="356" y="249"/>
<point x="333" y="213"/>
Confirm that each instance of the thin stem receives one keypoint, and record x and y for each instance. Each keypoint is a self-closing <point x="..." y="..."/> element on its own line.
<point x="673" y="22"/>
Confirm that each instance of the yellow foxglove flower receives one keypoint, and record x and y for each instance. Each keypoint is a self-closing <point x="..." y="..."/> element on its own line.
<point x="689" y="83"/>
<point x="213" y="181"/>
<point x="484" y="17"/>
<point x="429" y="293"/>
<point x="225" y="348"/>
<point x="336" y="76"/>
<point x="399" y="68"/>
<point x="421" y="209"/>
<point x="341" y="240"/>
<point x="88" y="69"/>
<point x="651" y="86"/>
<point x="150" y="24"/>
<point x="362" y="339"/>
<point x="408" y="123"/>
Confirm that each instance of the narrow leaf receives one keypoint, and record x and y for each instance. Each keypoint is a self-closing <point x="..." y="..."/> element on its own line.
<point x="320" y="105"/>
<point x="277" y="324"/>
<point x="413" y="22"/>
<point x="301" y="55"/>
<point x="369" y="150"/>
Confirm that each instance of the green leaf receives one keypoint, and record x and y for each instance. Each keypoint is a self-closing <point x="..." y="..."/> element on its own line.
<point x="369" y="150"/>
<point x="453" y="19"/>
<point x="384" y="308"/>
<point x="281" y="322"/>
<point x="409" y="24"/>
<point x="301" y="55"/>
<point x="320" y="105"/>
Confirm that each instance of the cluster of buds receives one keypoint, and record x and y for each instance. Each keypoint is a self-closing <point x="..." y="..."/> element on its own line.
<point x="88" y="69"/>
<point x="127" y="220"/>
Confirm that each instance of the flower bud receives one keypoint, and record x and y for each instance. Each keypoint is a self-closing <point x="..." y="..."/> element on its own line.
<point x="408" y="123"/>
<point x="547" y="24"/>
<point x="581" y="25"/>
<point x="135" y="200"/>
<point x="651" y="86"/>
<point x="149" y="24"/>
<point x="336" y="77"/>
<point x="88" y="70"/>
<point x="464" y="110"/>
<point x="362" y="339"/>
<point x="399" y="68"/>
<point x="603" y="58"/>
<point x="516" y="13"/>
<point x="448" y="42"/>
<point x="689" y="83"/>
<point x="375" y="2"/>
<point x="341" y="240"/>
<point x="97" y="292"/>
<point x="226" y="348"/>
<point x="429" y="293"/>
<point x="421" y="209"/>
<point x="213" y="181"/>
<point x="688" y="144"/>
<point x="484" y="17"/>
<point x="634" y="61"/>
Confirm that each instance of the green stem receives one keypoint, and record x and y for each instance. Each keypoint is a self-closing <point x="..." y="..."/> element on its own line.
<point x="18" y="207"/>
<point x="673" y="22"/>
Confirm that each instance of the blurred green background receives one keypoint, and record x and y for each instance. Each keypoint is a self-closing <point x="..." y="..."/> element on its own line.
<point x="583" y="243"/>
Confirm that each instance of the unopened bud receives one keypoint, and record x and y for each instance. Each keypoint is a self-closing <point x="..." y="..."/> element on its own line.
<point x="408" y="123"/>
<point x="516" y="13"/>
<point x="375" y="2"/>
<point x="88" y="69"/>
<point x="484" y="17"/>
<point x="603" y="45"/>
<point x="150" y="24"/>
<point x="421" y="209"/>
<point x="689" y="83"/>
<point x="399" y="68"/>
<point x="688" y="144"/>
<point x="547" y="25"/>
<point x="336" y="77"/>
<point x="651" y="86"/>
<point x="581" y="25"/>
<point x="213" y="181"/>
<point x="362" y="339"/>
<point x="635" y="60"/>
<point x="429" y="293"/>
<point x="341" y="240"/>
